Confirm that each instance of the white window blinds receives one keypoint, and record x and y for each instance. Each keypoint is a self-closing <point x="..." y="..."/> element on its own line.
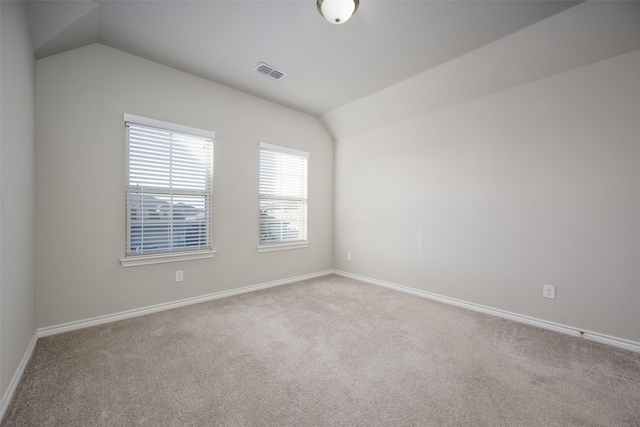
<point x="283" y="195"/>
<point x="169" y="177"/>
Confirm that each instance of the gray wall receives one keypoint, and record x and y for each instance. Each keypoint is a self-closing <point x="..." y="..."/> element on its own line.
<point x="81" y="97"/>
<point x="532" y="185"/>
<point x="17" y="191"/>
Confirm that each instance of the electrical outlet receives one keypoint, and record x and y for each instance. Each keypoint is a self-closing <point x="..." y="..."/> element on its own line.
<point x="348" y="256"/>
<point x="549" y="291"/>
<point x="179" y="275"/>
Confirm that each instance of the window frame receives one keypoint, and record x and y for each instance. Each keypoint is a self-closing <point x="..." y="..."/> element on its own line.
<point x="130" y="260"/>
<point x="284" y="244"/>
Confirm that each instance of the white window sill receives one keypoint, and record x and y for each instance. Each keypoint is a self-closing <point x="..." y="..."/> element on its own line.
<point x="134" y="261"/>
<point x="282" y="246"/>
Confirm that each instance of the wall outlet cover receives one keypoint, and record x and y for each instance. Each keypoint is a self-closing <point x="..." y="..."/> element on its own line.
<point x="549" y="291"/>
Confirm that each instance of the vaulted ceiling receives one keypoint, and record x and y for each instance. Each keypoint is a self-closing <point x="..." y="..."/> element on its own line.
<point x="331" y="66"/>
<point x="327" y="65"/>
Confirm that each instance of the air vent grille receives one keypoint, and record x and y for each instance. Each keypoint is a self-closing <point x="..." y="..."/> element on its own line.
<point x="268" y="70"/>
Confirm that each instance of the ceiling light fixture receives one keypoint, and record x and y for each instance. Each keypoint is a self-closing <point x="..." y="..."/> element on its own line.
<point x="337" y="11"/>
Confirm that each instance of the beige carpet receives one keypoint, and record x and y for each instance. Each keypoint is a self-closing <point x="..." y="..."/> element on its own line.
<point x="324" y="352"/>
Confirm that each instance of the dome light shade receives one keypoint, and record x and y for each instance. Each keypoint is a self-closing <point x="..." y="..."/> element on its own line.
<point x="337" y="11"/>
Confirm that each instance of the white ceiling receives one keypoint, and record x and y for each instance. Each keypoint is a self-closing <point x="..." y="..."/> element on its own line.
<point x="328" y="66"/>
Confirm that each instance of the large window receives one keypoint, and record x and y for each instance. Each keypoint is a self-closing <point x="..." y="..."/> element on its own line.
<point x="169" y="174"/>
<point x="283" y="198"/>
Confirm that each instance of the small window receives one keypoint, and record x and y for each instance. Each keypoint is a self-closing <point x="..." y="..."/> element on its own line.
<point x="283" y="198"/>
<point x="169" y="179"/>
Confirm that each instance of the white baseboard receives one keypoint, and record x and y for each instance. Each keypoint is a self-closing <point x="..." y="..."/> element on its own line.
<point x="80" y="324"/>
<point x="564" y="329"/>
<point x="6" y="399"/>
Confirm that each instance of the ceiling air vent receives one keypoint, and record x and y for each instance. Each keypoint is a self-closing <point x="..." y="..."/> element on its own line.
<point x="268" y="70"/>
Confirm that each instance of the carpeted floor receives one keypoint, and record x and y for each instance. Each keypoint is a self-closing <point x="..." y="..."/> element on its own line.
<point x="325" y="352"/>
